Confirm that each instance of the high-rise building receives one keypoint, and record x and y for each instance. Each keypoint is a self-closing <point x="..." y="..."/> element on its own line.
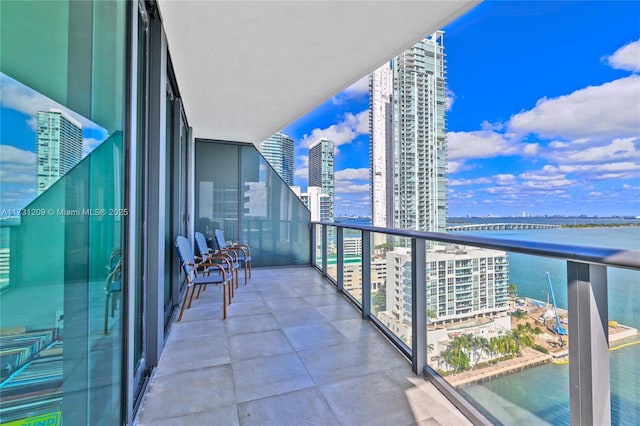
<point x="462" y="283"/>
<point x="416" y="166"/>
<point x="381" y="145"/>
<point x="278" y="150"/>
<point x="314" y="199"/>
<point x="407" y="127"/>
<point x="59" y="146"/>
<point x="321" y="155"/>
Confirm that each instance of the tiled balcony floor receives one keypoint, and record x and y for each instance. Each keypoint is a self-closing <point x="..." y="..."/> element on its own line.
<point x="291" y="352"/>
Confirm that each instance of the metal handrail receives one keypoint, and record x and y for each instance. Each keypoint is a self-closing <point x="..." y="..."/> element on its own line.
<point x="622" y="258"/>
<point x="586" y="297"/>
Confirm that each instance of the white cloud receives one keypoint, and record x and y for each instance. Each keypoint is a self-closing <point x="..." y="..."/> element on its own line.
<point x="609" y="110"/>
<point x="451" y="98"/>
<point x="359" y="87"/>
<point x="352" y="174"/>
<point x="11" y="154"/>
<point x="478" y="144"/>
<point x="626" y="58"/>
<point x="352" y="189"/>
<point x="302" y="172"/>
<point x="352" y="126"/>
<point x="618" y="150"/>
<point x="21" y="98"/>
<point x="89" y="144"/>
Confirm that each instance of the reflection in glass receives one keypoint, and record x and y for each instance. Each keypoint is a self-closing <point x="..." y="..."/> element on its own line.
<point x="61" y="200"/>
<point x="238" y="191"/>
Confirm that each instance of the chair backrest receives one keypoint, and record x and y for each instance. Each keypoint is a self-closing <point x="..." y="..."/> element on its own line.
<point x="201" y="244"/>
<point x="186" y="254"/>
<point x="222" y="244"/>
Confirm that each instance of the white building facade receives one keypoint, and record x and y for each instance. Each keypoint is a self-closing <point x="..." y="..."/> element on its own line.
<point x="59" y="146"/>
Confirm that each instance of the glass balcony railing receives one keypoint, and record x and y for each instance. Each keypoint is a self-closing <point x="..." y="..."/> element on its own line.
<point x="516" y="346"/>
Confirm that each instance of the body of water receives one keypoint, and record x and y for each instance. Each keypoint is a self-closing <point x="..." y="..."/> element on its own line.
<point x="540" y="394"/>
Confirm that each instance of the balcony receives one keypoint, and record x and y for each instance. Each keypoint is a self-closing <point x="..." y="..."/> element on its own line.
<point x="292" y="351"/>
<point x="293" y="336"/>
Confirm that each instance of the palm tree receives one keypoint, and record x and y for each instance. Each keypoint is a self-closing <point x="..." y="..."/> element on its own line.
<point x="456" y="358"/>
<point x="478" y="346"/>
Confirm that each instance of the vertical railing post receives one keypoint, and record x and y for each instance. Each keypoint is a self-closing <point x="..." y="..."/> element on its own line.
<point x="589" y="383"/>
<point x="366" y="274"/>
<point x="324" y="250"/>
<point x="313" y="242"/>
<point x="340" y="259"/>
<point x="418" y="305"/>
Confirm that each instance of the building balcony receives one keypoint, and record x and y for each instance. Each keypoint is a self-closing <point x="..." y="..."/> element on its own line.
<point x="291" y="351"/>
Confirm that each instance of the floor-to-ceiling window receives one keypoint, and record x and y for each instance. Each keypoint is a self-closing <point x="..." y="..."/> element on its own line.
<point x="236" y="190"/>
<point x="62" y="211"/>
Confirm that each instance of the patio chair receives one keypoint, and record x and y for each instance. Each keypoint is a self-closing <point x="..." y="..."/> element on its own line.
<point x="200" y="274"/>
<point x="112" y="285"/>
<point x="242" y="252"/>
<point x="208" y="254"/>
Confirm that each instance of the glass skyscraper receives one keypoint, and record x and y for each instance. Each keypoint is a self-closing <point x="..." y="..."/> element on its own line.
<point x="321" y="156"/>
<point x="59" y="146"/>
<point x="278" y="150"/>
<point x="408" y="115"/>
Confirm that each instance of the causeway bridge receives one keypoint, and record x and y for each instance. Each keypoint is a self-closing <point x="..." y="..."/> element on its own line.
<point x="501" y="226"/>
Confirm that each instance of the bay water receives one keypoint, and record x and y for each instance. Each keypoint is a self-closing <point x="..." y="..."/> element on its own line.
<point x="540" y="395"/>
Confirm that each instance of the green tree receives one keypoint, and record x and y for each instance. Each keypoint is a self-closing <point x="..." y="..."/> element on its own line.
<point x="456" y="358"/>
<point x="379" y="299"/>
<point x="479" y="345"/>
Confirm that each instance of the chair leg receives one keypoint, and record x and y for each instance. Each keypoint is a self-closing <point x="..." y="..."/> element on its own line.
<point x="230" y="289"/>
<point x="237" y="277"/>
<point x="106" y="312"/>
<point x="184" y="303"/>
<point x="224" y="301"/>
<point x="114" y="301"/>
<point x="250" y="267"/>
<point x="245" y="272"/>
<point x="199" y="291"/>
<point x="193" y="291"/>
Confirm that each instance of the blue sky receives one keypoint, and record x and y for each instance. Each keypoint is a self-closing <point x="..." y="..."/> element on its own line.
<point x="544" y="114"/>
<point x="19" y="105"/>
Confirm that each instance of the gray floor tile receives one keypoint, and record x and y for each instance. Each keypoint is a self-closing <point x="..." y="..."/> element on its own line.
<point x="303" y="407"/>
<point x="261" y="344"/>
<point x="188" y="392"/>
<point x="287" y="304"/>
<point x="194" y="353"/>
<point x="262" y="377"/>
<point x="296" y="317"/>
<point x="251" y="324"/>
<point x="227" y="416"/>
<point x="311" y="335"/>
<point x="325" y="299"/>
<point x="201" y="328"/>
<point x="385" y="402"/>
<point x="238" y="309"/>
<point x="339" y="312"/>
<point x="328" y="364"/>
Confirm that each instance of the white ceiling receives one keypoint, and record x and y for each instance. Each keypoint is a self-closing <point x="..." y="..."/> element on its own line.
<point x="246" y="69"/>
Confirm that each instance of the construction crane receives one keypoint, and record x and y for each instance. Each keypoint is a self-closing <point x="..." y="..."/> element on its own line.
<point x="557" y="327"/>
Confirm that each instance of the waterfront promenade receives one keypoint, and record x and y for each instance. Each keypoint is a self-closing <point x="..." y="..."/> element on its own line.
<point x="528" y="359"/>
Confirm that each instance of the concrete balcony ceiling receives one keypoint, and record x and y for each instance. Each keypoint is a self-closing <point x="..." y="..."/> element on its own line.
<point x="246" y="69"/>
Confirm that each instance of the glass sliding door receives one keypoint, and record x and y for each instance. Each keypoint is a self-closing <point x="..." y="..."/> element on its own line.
<point x="175" y="194"/>
<point x="62" y="85"/>
<point x="139" y="223"/>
